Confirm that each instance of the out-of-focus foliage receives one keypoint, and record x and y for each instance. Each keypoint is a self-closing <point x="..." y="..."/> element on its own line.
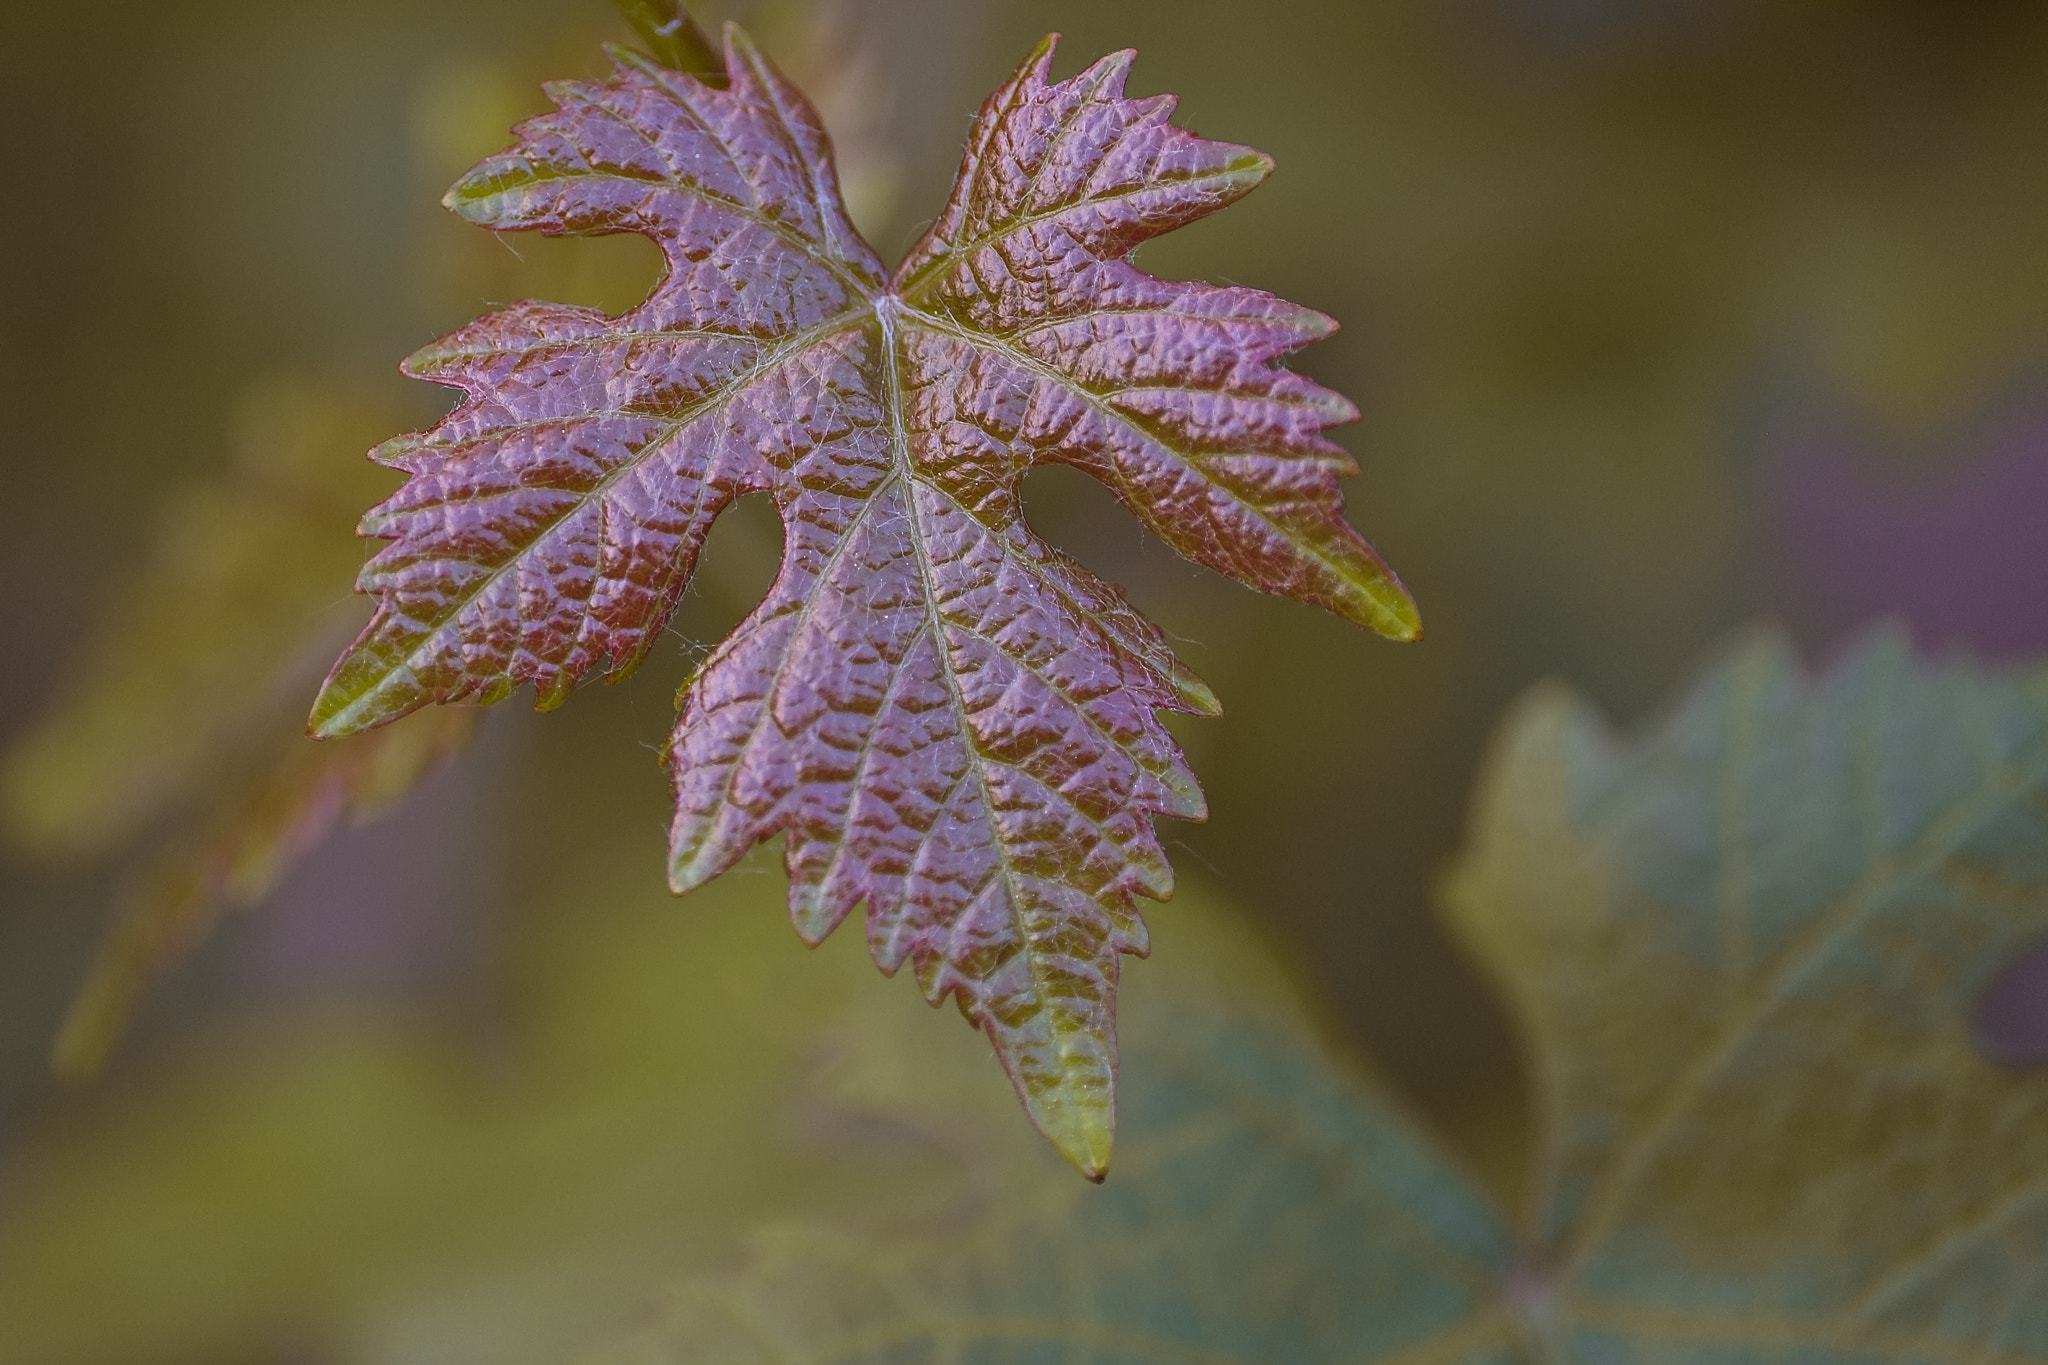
<point x="1265" y="1207"/>
<point x="240" y="577"/>
<point x="1746" y="952"/>
<point x="259" y="830"/>
<point x="953" y="724"/>
<point x="1745" y="949"/>
<point x="391" y="1185"/>
<point x="186" y="706"/>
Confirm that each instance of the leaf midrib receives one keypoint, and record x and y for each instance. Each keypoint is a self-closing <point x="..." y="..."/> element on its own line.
<point x="886" y="313"/>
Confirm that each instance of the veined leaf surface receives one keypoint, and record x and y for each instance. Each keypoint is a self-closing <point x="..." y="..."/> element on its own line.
<point x="1746" y="950"/>
<point x="950" y="721"/>
<point x="1746" y="953"/>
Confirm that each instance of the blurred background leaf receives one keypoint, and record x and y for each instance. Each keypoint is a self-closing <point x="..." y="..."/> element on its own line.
<point x="1747" y="950"/>
<point x="243" y="579"/>
<point x="407" y="1183"/>
<point x="189" y="696"/>
<point x="254" y="838"/>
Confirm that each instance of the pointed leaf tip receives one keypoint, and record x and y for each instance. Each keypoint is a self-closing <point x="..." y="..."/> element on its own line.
<point x="1039" y="62"/>
<point x="1370" y="595"/>
<point x="1078" y="1116"/>
<point x="1198" y="694"/>
<point x="1406" y="622"/>
<point x="342" y="709"/>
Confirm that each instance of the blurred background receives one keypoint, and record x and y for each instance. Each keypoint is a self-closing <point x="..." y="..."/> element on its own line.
<point x="1664" y="315"/>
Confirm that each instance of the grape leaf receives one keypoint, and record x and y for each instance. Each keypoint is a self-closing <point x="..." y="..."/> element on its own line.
<point x="232" y="611"/>
<point x="1746" y="950"/>
<point x="952" y="722"/>
<point x="1747" y="953"/>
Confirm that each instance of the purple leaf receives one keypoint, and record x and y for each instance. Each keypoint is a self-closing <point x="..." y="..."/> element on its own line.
<point x="951" y="722"/>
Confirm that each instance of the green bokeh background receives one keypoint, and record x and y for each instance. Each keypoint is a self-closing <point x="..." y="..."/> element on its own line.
<point x="1590" y="257"/>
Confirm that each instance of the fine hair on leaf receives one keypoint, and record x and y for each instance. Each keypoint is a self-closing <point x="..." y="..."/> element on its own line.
<point x="949" y="722"/>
